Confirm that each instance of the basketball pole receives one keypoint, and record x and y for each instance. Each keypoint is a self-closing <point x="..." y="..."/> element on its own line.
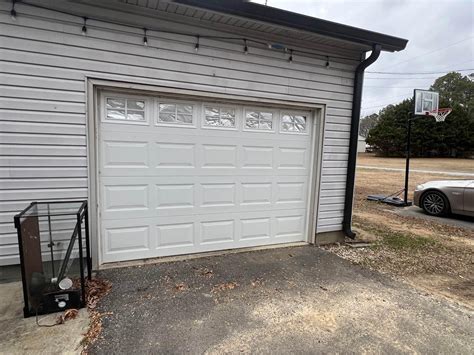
<point x="439" y="115"/>
<point x="408" y="153"/>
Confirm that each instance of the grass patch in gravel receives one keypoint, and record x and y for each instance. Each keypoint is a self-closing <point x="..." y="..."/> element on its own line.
<point x="395" y="239"/>
<point x="402" y="241"/>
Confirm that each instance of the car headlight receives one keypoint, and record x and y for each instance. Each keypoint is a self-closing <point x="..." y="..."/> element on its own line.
<point x="419" y="187"/>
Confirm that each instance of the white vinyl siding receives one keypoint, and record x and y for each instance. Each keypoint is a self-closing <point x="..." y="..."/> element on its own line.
<point x="44" y="61"/>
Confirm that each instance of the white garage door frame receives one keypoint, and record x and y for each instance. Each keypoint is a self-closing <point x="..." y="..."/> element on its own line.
<point x="95" y="85"/>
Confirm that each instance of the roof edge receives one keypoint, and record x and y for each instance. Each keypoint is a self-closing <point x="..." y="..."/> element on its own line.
<point x="286" y="18"/>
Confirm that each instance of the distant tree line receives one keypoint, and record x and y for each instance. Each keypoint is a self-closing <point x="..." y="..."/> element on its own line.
<point x="386" y="131"/>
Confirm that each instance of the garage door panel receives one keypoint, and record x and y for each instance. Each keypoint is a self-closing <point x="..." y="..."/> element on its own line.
<point x="257" y="157"/>
<point x="170" y="190"/>
<point x="290" y="192"/>
<point x="219" y="156"/>
<point x="175" y="196"/>
<point x="122" y="154"/>
<point x="255" y="229"/>
<point x="126" y="197"/>
<point x="222" y="231"/>
<point x="292" y="158"/>
<point x="126" y="242"/>
<point x="182" y="200"/>
<point x="218" y="194"/>
<point x="291" y="226"/>
<point x="256" y="193"/>
<point x="174" y="155"/>
<point x="172" y="171"/>
<point x="175" y="235"/>
<point x="139" y="238"/>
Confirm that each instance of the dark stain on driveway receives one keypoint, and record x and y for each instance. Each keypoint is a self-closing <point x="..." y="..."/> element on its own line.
<point x="289" y="300"/>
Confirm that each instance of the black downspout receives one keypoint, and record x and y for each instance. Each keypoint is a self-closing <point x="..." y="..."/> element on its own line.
<point x="351" y="166"/>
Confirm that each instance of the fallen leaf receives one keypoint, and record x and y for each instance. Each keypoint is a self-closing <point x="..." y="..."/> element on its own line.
<point x="180" y="287"/>
<point x="207" y="273"/>
<point x="224" y="286"/>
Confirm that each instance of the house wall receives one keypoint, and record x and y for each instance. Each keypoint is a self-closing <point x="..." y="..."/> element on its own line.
<point x="44" y="63"/>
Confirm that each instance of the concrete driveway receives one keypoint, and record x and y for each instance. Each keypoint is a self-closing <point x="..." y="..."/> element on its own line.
<point x="20" y="335"/>
<point x="289" y="300"/>
<point x="453" y="220"/>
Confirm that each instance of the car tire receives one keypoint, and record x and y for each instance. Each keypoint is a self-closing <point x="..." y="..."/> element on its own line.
<point x="435" y="203"/>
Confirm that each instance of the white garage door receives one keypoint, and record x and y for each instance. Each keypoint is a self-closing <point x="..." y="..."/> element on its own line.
<point x="180" y="177"/>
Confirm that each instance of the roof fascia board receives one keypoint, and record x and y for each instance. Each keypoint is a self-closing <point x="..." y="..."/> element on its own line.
<point x="113" y="5"/>
<point x="293" y="20"/>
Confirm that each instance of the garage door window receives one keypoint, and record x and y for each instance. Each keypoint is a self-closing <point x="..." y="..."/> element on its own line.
<point x="125" y="109"/>
<point x="259" y="120"/>
<point x="215" y="116"/>
<point x="293" y="123"/>
<point x="175" y="113"/>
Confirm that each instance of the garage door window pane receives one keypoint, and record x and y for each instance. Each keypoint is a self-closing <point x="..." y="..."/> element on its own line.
<point x="136" y="115"/>
<point x="227" y="122"/>
<point x="252" y="124"/>
<point x="135" y="105"/>
<point x="167" y="108"/>
<point x="125" y="109"/>
<point x="185" y="109"/>
<point x="259" y="120"/>
<point x="167" y="117"/>
<point x="115" y="103"/>
<point x="212" y="112"/>
<point x="175" y="113"/>
<point x="116" y="114"/>
<point x="219" y="117"/>
<point x="184" y="118"/>
<point x="293" y="123"/>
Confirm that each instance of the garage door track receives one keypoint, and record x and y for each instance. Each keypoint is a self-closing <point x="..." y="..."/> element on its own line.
<point x="289" y="300"/>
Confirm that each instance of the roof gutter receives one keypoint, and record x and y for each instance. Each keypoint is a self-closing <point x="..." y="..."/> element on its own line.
<point x="351" y="167"/>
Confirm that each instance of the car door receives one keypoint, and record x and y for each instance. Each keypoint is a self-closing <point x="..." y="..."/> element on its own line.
<point x="469" y="197"/>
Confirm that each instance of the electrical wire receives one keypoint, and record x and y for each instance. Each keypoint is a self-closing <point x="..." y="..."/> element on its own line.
<point x="383" y="105"/>
<point x="387" y="98"/>
<point x="416" y="73"/>
<point x="388" y="87"/>
<point x="440" y="48"/>
<point x="402" y="78"/>
<point x="44" y="325"/>
<point x="286" y="49"/>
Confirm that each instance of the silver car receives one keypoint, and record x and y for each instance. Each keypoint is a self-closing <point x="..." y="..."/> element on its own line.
<point x="439" y="198"/>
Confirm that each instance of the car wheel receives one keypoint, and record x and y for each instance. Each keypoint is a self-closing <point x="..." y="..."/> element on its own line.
<point x="435" y="203"/>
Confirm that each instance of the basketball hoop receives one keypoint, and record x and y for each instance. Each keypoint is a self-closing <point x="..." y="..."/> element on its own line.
<point x="440" y="114"/>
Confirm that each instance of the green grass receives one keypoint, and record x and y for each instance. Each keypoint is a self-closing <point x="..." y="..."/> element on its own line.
<point x="405" y="241"/>
<point x="397" y="240"/>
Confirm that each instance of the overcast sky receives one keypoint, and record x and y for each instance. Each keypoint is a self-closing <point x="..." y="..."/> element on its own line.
<point x="440" y="34"/>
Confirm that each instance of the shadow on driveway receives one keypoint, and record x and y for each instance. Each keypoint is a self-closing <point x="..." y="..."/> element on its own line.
<point x="291" y="300"/>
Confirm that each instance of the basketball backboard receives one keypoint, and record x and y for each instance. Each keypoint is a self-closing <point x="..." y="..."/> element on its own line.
<point x="426" y="101"/>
